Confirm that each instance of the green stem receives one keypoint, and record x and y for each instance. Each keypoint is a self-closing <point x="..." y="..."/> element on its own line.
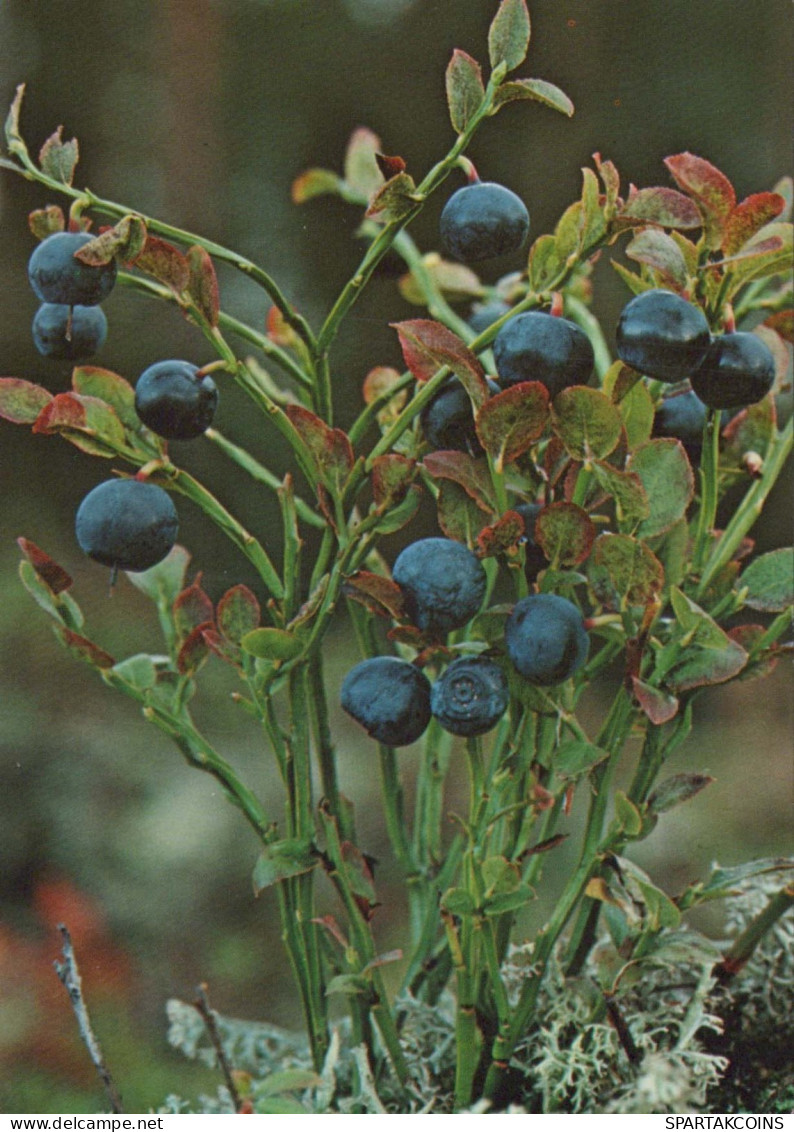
<point x="709" y="488"/>
<point x="581" y="314"/>
<point x="745" y="944"/>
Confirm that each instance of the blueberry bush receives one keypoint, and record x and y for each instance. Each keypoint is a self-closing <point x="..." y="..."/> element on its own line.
<point x="577" y="500"/>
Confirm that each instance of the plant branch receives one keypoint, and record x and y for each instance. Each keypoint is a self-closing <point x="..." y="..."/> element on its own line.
<point x="201" y="1003"/>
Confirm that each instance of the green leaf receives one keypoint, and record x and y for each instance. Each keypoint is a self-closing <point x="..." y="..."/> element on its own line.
<point x="728" y="882"/>
<point x="635" y="404"/>
<point x="454" y="280"/>
<point x="40" y="591"/>
<point x="666" y="475"/>
<point x="534" y="90"/>
<point x="666" y="207"/>
<point x="661" y="911"/>
<point x="576" y="758"/>
<point x="706" y="666"/>
<point x="43" y="222"/>
<point x="59" y="158"/>
<point x="13" y="137"/>
<point x="395" y="199"/>
<point x="767" y="253"/>
<point x="508" y="35"/>
<point x="634" y="571"/>
<point x="164" y="582"/>
<point x="125" y="240"/>
<point x="92" y="381"/>
<point x="627" y="814"/>
<point x="677" y="789"/>
<point x="288" y="1080"/>
<point x="282" y="859"/>
<point x="458" y="902"/>
<point x="138" y="670"/>
<point x="87" y="422"/>
<point x="510" y="422"/>
<point x="500" y="875"/>
<point x="361" y="167"/>
<point x="635" y="283"/>
<point x="695" y="621"/>
<point x="769" y="581"/>
<point x="631" y="500"/>
<point x="545" y="264"/>
<point x="683" y="947"/>
<point x="662" y="254"/>
<point x="329" y="448"/>
<point x="272" y="644"/>
<point x="238" y="613"/>
<point x="392" y="475"/>
<point x="586" y="421"/>
<point x="459" y="517"/>
<point x="21" y="401"/>
<point x="565" y="533"/>
<point x="348" y="984"/>
<point x="400" y="514"/>
<point x="314" y="183"/>
<point x="508" y="901"/>
<point x="465" y="90"/>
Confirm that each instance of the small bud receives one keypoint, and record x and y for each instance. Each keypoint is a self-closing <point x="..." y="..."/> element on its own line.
<point x="753" y="464"/>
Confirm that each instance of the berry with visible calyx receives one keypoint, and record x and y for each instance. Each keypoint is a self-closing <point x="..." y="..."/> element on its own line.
<point x="546" y="639"/>
<point x="390" y="698"/>
<point x="662" y="335"/>
<point x="535" y="346"/>
<point x="483" y="220"/>
<point x="738" y="370"/>
<point x="442" y="581"/>
<point x="175" y="400"/>
<point x="71" y="333"/>
<point x="448" y="420"/>
<point x="534" y="558"/>
<point x="470" y="697"/>
<point x="127" y="524"/>
<point x="484" y="315"/>
<point x="57" y="277"/>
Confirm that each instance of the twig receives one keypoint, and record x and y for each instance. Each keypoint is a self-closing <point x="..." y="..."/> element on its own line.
<point x="208" y="1016"/>
<point x="70" y="977"/>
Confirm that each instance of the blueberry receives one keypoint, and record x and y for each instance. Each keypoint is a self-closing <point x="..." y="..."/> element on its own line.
<point x="482" y="220"/>
<point x="534" y="558"/>
<point x="682" y="416"/>
<point x="546" y="638"/>
<point x="471" y="696"/>
<point x="127" y="524"/>
<point x="448" y="420"/>
<point x="442" y="581"/>
<point x="390" y="698"/>
<point x="484" y="315"/>
<point x="175" y="401"/>
<point x="662" y="335"/>
<point x="57" y="277"/>
<point x="535" y="346"/>
<point x="738" y="370"/>
<point x="55" y="336"/>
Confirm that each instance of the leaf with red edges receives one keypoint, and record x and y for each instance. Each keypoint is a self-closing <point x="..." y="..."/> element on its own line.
<point x="104" y="385"/>
<point x="470" y="474"/>
<point x="782" y="322"/>
<point x="465" y="90"/>
<point x="459" y="517"/>
<point x="279" y="330"/>
<point x="314" y="183"/>
<point x="194" y="650"/>
<point x="749" y="217"/>
<point x="711" y="190"/>
<point x="47" y="568"/>
<point x="193" y="607"/>
<point x="58" y="158"/>
<point x="238" y="613"/>
<point x="361" y="167"/>
<point x="502" y="537"/>
<point x="508" y="35"/>
<point x="221" y="646"/>
<point x="428" y="345"/>
<point x="202" y="285"/>
<point x="662" y="254"/>
<point x="22" y="402"/>
<point x="165" y="263"/>
<point x="379" y="594"/>
<point x="330" y="448"/>
<point x="666" y="207"/>
<point x="565" y="533"/>
<point x="510" y="422"/>
<point x="125" y="240"/>
<point x="43" y="222"/>
<point x="659" y="706"/>
<point x="395" y="199"/>
<point x="84" y="649"/>
<point x="390" y="166"/>
<point x="392" y="475"/>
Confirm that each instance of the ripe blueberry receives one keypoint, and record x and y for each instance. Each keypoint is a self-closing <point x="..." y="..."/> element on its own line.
<point x="448" y="420"/>
<point x="662" y="335"/>
<point x="682" y="416"/>
<point x="470" y="697"/>
<point x="535" y="346"/>
<point x="534" y="558"/>
<point x="173" y="400"/>
<point x="442" y="581"/>
<point x="546" y="638"/>
<point x="390" y="698"/>
<point x="57" y="277"/>
<point x="482" y="220"/>
<point x="127" y="524"/>
<point x="738" y="370"/>
<point x="55" y="336"/>
<point x="484" y="315"/>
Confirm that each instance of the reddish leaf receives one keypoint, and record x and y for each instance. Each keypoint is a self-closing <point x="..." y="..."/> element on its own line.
<point x="44" y="221"/>
<point x="238" y="613"/>
<point x="84" y="649"/>
<point x="124" y="240"/>
<point x="459" y="517"/>
<point x="749" y="217"/>
<point x="203" y="284"/>
<point x="221" y="646"/>
<point x="659" y="706"/>
<point x="192" y="608"/>
<point x="59" y="158"/>
<point x="665" y="207"/>
<point x="564" y="533"/>
<point x="633" y="570"/>
<point x="660" y="252"/>
<point x="104" y="385"/>
<point x="711" y="189"/>
<point x="510" y="422"/>
<point x="470" y="474"/>
<point x="390" y="166"/>
<point x="379" y="594"/>
<point x="65" y="410"/>
<point x="706" y="666"/>
<point x="279" y="330"/>
<point x="428" y="345"/>
<point x="330" y="448"/>
<point x="747" y="636"/>
<point x="465" y="90"/>
<point x="395" y="200"/>
<point x="782" y="322"/>
<point x="194" y="650"/>
<point x="502" y="537"/>
<point x="47" y="568"/>
<point x="391" y="476"/>
<point x="607" y="171"/>
<point x="165" y="263"/>
<point x="314" y="183"/>
<point x="22" y="402"/>
<point x="88" y="422"/>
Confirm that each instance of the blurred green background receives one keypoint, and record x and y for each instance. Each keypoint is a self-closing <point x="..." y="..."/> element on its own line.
<point x="201" y="112"/>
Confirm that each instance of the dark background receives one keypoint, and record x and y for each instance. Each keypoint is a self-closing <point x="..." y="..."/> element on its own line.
<point x="202" y="113"/>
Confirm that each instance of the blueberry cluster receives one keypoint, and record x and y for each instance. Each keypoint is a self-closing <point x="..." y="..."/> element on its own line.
<point x="444" y="585"/>
<point x="69" y="324"/>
